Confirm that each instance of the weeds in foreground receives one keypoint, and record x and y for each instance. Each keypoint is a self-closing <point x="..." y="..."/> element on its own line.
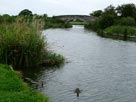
<point x="21" y="44"/>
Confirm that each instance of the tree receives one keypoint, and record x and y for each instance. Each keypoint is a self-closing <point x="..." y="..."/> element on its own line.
<point x="106" y="20"/>
<point x="25" y="12"/>
<point x="127" y="10"/>
<point x="45" y="15"/>
<point x="110" y="10"/>
<point x="97" y="13"/>
<point x="1" y="19"/>
<point x="7" y="18"/>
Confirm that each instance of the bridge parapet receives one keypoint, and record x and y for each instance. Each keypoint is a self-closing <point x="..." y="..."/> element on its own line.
<point x="68" y="18"/>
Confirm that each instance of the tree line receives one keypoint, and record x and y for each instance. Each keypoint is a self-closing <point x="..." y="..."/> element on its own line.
<point x="119" y="20"/>
<point x="28" y="16"/>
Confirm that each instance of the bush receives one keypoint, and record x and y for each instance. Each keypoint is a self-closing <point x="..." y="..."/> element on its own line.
<point x="103" y="22"/>
<point x="130" y="31"/>
<point x="106" y="21"/>
<point x="125" y="21"/>
<point x="94" y="25"/>
<point x="52" y="59"/>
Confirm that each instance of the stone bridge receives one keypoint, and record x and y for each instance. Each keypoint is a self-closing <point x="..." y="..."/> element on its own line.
<point x="69" y="18"/>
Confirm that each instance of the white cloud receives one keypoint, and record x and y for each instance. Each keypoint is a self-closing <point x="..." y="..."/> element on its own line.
<point x="57" y="7"/>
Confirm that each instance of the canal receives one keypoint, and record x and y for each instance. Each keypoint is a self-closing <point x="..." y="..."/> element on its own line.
<point x="103" y="69"/>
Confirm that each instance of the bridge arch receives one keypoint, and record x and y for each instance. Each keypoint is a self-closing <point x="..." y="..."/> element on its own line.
<point x="84" y="18"/>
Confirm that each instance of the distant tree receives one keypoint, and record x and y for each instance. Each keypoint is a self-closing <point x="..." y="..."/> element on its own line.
<point x="97" y="13"/>
<point x="7" y="18"/>
<point x="127" y="10"/>
<point x="0" y="19"/>
<point x="102" y="22"/>
<point x="110" y="10"/>
<point x="124" y="15"/>
<point x="45" y="15"/>
<point x="25" y="12"/>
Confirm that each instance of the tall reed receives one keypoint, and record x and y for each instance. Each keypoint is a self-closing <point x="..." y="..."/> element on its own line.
<point x="21" y="43"/>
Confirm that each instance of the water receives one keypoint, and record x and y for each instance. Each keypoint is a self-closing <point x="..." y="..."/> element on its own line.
<point x="104" y="69"/>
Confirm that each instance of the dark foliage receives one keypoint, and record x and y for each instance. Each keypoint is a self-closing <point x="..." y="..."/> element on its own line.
<point x="25" y="12"/>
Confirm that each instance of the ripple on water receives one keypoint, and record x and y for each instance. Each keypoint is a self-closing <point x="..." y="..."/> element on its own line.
<point x="103" y="69"/>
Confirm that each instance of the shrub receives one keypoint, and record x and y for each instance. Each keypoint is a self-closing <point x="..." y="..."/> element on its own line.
<point x="130" y="31"/>
<point x="52" y="59"/>
<point x="106" y="21"/>
<point x="94" y="25"/>
<point x="103" y="22"/>
<point x="127" y="21"/>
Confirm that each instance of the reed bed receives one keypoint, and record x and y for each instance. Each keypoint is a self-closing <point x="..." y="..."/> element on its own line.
<point x="21" y="43"/>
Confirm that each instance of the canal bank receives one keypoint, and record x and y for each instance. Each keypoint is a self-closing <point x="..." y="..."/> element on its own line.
<point x="13" y="89"/>
<point x="125" y="37"/>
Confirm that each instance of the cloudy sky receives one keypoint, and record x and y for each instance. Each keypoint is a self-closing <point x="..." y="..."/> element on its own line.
<point x="57" y="7"/>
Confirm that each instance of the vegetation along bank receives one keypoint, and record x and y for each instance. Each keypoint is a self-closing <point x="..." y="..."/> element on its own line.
<point x="13" y="89"/>
<point x="21" y="41"/>
<point x="23" y="46"/>
<point x="118" y="22"/>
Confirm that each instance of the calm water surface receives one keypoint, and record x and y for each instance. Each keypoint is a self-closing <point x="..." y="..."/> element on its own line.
<point x="104" y="69"/>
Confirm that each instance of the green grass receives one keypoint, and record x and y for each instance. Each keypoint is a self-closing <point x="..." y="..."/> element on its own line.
<point x="13" y="89"/>
<point x="129" y="30"/>
<point x="77" y="23"/>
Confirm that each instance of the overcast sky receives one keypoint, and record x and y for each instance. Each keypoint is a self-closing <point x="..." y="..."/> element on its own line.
<point x="57" y="7"/>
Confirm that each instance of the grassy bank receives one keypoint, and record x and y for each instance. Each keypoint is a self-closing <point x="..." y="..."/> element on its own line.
<point x="77" y="23"/>
<point x="13" y="89"/>
<point x="129" y="30"/>
<point x="126" y="33"/>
